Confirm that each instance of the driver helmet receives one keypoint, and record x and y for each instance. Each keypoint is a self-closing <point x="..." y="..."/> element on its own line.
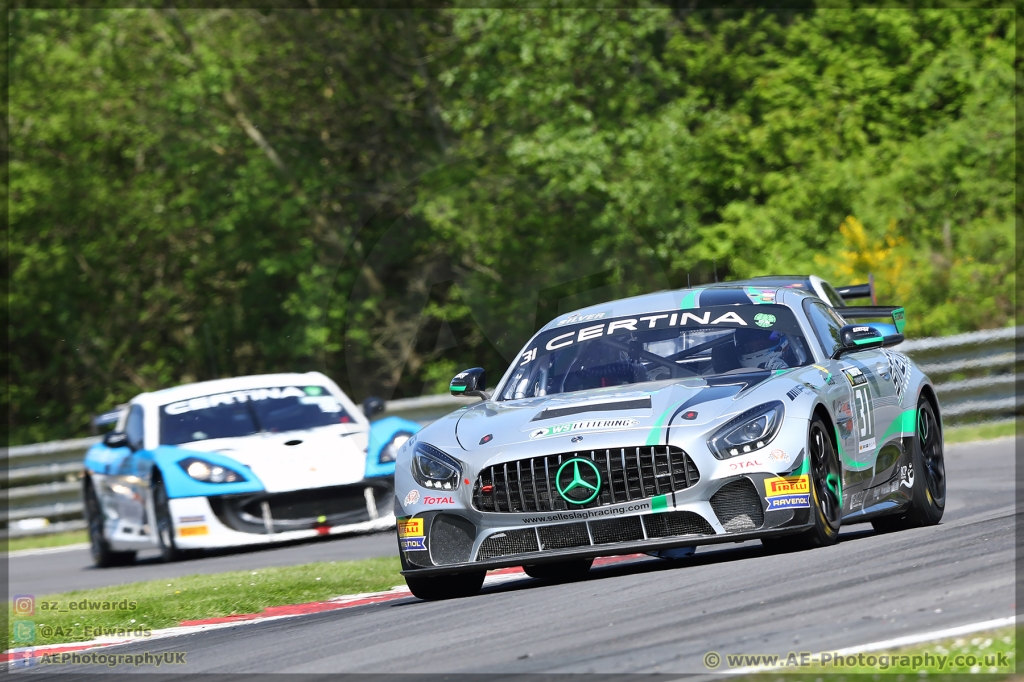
<point x="762" y="349"/>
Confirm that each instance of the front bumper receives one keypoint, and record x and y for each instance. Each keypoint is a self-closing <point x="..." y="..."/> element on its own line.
<point x="457" y="541"/>
<point x="260" y="518"/>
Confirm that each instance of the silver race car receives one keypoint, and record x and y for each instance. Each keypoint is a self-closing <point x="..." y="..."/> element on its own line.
<point x="658" y="423"/>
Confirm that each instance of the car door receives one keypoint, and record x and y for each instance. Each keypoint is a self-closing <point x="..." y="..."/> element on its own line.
<point x="867" y="399"/>
<point x="130" y="483"/>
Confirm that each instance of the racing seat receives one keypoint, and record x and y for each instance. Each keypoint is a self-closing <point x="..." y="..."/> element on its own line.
<point x="725" y="357"/>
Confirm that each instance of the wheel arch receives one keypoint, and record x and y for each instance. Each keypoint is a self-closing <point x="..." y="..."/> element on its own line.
<point x="928" y="393"/>
<point x="830" y="424"/>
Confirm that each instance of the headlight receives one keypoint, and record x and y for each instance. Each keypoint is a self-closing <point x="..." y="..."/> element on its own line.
<point x="433" y="469"/>
<point x="207" y="472"/>
<point x="389" y="453"/>
<point x="750" y="431"/>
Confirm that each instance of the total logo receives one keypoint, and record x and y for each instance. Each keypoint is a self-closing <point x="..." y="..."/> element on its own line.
<point x="414" y="496"/>
<point x="748" y="464"/>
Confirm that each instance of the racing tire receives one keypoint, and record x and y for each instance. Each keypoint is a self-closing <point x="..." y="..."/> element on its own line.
<point x="102" y="555"/>
<point x="436" y="588"/>
<point x="825" y="495"/>
<point x="560" y="571"/>
<point x="164" y="524"/>
<point x="928" y="490"/>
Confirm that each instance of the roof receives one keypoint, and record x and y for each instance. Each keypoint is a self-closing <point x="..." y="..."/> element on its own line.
<point x="661" y="300"/>
<point x="186" y="391"/>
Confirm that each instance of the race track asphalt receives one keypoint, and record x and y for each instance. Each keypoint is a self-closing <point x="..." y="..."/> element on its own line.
<point x="658" y="616"/>
<point x="51" y="573"/>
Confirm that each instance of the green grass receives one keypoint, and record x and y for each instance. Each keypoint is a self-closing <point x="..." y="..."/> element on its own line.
<point x="165" y="603"/>
<point x="980" y="645"/>
<point x="965" y="434"/>
<point x="73" y="537"/>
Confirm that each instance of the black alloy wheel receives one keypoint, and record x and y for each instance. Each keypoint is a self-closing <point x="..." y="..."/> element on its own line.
<point x="102" y="555"/>
<point x="436" y="588"/>
<point x="826" y="494"/>
<point x="164" y="524"/>
<point x="927" y="473"/>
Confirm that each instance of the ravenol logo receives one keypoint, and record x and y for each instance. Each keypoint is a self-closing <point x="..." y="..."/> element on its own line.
<point x="414" y="544"/>
<point x="789" y="502"/>
<point x="792" y="485"/>
<point x="578" y="484"/>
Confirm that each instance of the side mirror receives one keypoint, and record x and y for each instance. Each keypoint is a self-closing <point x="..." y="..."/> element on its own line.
<point x="373" y="406"/>
<point x="115" y="439"/>
<point x="470" y="382"/>
<point x="854" y="337"/>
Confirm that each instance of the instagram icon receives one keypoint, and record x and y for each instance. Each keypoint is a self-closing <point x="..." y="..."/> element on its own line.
<point x="24" y="605"/>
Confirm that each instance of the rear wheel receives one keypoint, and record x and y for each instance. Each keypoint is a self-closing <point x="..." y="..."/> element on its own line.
<point x="927" y="474"/>
<point x="825" y="495"/>
<point x="102" y="555"/>
<point x="561" y="571"/>
<point x="164" y="524"/>
<point x="438" y="587"/>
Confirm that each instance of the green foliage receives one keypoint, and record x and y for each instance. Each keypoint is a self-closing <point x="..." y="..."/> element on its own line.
<point x="389" y="196"/>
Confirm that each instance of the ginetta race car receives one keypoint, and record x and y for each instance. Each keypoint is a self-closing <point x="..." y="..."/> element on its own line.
<point x="666" y="421"/>
<point x="240" y="461"/>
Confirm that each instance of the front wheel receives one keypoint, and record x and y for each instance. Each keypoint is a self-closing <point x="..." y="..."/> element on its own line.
<point x="926" y="477"/>
<point x="164" y="524"/>
<point x="102" y="555"/>
<point x="826" y="491"/>
<point x="438" y="587"/>
<point x="560" y="571"/>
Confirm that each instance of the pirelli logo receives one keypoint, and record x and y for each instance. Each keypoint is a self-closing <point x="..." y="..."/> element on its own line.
<point x="410" y="528"/>
<point x="791" y="485"/>
<point x="192" y="531"/>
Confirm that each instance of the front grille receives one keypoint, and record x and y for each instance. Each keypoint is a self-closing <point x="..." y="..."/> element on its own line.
<point x="603" y="532"/>
<point x="563" y="536"/>
<point x="304" y="509"/>
<point x="508" y="542"/>
<point x="617" y="530"/>
<point x="635" y="473"/>
<point x="451" y="539"/>
<point x="676" y="523"/>
<point x="738" y="506"/>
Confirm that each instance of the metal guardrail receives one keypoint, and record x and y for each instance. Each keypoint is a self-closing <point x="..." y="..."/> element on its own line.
<point x="974" y="376"/>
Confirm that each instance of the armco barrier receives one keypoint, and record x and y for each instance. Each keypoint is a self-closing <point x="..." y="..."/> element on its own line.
<point x="974" y="376"/>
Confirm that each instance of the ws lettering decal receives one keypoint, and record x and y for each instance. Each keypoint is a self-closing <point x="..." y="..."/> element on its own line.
<point x="899" y="370"/>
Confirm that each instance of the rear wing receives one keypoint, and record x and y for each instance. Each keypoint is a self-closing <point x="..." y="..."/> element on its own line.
<point x="870" y="312"/>
<point x="854" y="291"/>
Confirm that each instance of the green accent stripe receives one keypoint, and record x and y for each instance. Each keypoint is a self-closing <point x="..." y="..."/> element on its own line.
<point x="458" y="388"/>
<point x="899" y="319"/>
<point x="690" y="300"/>
<point x="873" y="339"/>
<point x="655" y="435"/>
<point x="659" y="503"/>
<point x="905" y="425"/>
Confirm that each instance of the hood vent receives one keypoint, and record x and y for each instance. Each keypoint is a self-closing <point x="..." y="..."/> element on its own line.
<point x="552" y="413"/>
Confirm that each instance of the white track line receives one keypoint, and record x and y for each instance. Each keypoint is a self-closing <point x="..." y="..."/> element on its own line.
<point x="47" y="550"/>
<point x="894" y="643"/>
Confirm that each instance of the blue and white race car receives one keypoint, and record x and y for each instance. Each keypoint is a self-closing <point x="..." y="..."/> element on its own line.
<point x="237" y="462"/>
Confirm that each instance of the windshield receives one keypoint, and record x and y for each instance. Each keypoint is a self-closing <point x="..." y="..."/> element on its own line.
<point x="672" y="344"/>
<point x="243" y="413"/>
